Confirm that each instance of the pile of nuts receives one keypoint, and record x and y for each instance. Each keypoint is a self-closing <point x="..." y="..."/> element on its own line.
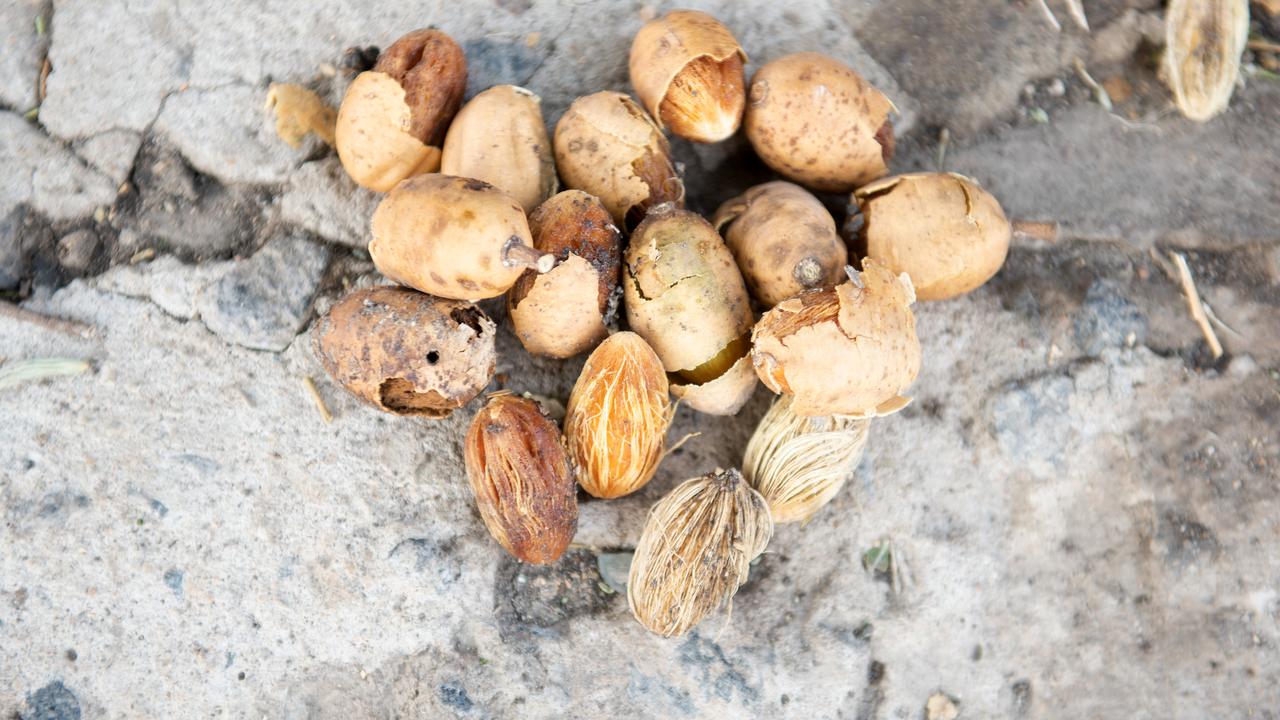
<point x="471" y="212"/>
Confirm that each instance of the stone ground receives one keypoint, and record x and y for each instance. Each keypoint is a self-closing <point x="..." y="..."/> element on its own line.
<point x="1081" y="503"/>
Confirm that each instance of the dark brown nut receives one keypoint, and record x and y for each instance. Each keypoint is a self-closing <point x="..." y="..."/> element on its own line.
<point x="564" y="312"/>
<point x="499" y="137"/>
<point x="522" y="479"/>
<point x="432" y="69"/>
<point x="405" y="352"/>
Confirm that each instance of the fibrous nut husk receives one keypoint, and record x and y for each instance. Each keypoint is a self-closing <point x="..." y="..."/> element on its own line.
<point x="942" y="229"/>
<point x="819" y="123"/>
<point x="452" y="237"/>
<point x="848" y="350"/>
<point x="784" y="240"/>
<point x="686" y="68"/>
<point x="522" y="479"/>
<point x="499" y="137"/>
<point x="1204" y="41"/>
<point x="608" y="146"/>
<point x="393" y="118"/>
<point x="798" y="464"/>
<point x="617" y="419"/>
<point x="405" y="352"/>
<point x="564" y="312"/>
<point x="696" y="550"/>
<point x="685" y="297"/>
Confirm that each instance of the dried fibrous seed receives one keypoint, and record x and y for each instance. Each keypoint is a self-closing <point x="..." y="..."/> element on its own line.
<point x="499" y="137"/>
<point x="798" y="464"/>
<point x="942" y="229"/>
<point x="833" y="140"/>
<point x="784" y="240"/>
<point x="522" y="479"/>
<point x="696" y="551"/>
<point x="848" y="350"/>
<point x="617" y="419"/>
<point x="686" y="68"/>
<point x="405" y="352"/>
<point x="1204" y="41"/>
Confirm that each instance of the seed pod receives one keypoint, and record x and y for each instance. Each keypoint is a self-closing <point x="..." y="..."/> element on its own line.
<point x="784" y="240"/>
<point x="816" y="121"/>
<point x="393" y="118"/>
<point x="617" y="418"/>
<point x="564" y="312"/>
<point x="1204" y="40"/>
<point x="847" y="350"/>
<point x="522" y="479"/>
<point x="687" y="69"/>
<point x="696" y="550"/>
<point x="405" y="352"/>
<point x="607" y="145"/>
<point x="499" y="137"/>
<point x="798" y="464"/>
<point x="942" y="229"/>
<point x="685" y="297"/>
<point x="453" y="237"/>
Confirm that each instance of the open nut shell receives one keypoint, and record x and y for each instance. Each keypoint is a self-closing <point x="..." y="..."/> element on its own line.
<point x="724" y="395"/>
<point x="372" y="135"/>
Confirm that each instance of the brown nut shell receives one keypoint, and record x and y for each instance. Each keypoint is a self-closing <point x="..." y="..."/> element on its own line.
<point x="407" y="353"/>
<point x="686" y="68"/>
<point x="819" y="123"/>
<point x="784" y="240"/>
<point x="848" y="350"/>
<point x="942" y="229"/>
<point x="616" y="421"/>
<point x="432" y="69"/>
<point x="499" y="137"/>
<point x="372" y="135"/>
<point x="607" y="145"/>
<point x="522" y="479"/>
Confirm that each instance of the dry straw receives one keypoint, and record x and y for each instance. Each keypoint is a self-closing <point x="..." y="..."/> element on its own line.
<point x="1204" y="41"/>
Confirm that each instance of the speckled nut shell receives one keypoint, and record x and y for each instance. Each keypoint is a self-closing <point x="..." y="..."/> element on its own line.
<point x="686" y="68"/>
<point x="784" y="240"/>
<point x="942" y="229"/>
<point x="405" y="352"/>
<point x="849" y="350"/>
<point x="816" y="121"/>
<point x="499" y="137"/>
<point x="608" y="146"/>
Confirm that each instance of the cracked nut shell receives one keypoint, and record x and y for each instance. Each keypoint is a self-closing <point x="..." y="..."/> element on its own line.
<point x="499" y="137"/>
<point x="407" y="353"/>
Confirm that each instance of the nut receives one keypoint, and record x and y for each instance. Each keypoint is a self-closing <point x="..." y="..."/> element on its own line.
<point x="1204" y="40"/>
<point x="564" y="312"/>
<point x="816" y="121"/>
<point x="606" y="145"/>
<point x="685" y="297"/>
<point x="687" y="69"/>
<point x="847" y="350"/>
<point x="499" y="137"/>
<point x="784" y="240"/>
<point x="696" y="550"/>
<point x="452" y="237"/>
<point x="942" y="229"/>
<point x="522" y="479"/>
<point x="617" y="418"/>
<point x="405" y="352"/>
<point x="393" y="118"/>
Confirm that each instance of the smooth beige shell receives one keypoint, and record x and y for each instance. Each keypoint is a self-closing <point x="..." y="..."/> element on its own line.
<point x="372" y="135"/>
<point x="449" y="237"/>
<point x="499" y="137"/>
<point x="816" y="121"/>
<point x="942" y="229"/>
<point x="784" y="240"/>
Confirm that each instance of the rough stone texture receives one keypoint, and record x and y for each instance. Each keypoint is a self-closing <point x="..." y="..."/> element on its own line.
<point x="321" y="199"/>
<point x="112" y="152"/>
<point x="41" y="172"/>
<point x="20" y="53"/>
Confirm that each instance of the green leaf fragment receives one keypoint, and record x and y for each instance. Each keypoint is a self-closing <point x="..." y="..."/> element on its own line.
<point x="20" y="371"/>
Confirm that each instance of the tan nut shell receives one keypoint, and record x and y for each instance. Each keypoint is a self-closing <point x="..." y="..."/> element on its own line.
<point x="784" y="240"/>
<point x="816" y="121"/>
<point x="499" y="137"/>
<point x="942" y="229"/>
<point x="372" y="135"/>
<point x="448" y="236"/>
<point x="842" y="351"/>
<point x="405" y="352"/>
<point x="608" y="146"/>
<point x="666" y="46"/>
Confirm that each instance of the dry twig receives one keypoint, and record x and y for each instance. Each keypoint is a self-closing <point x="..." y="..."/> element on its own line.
<point x="1099" y="93"/>
<point x="66" y="327"/>
<point x="1049" y="16"/>
<point x="1195" y="305"/>
<point x="310" y="385"/>
<point x="1031" y="230"/>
